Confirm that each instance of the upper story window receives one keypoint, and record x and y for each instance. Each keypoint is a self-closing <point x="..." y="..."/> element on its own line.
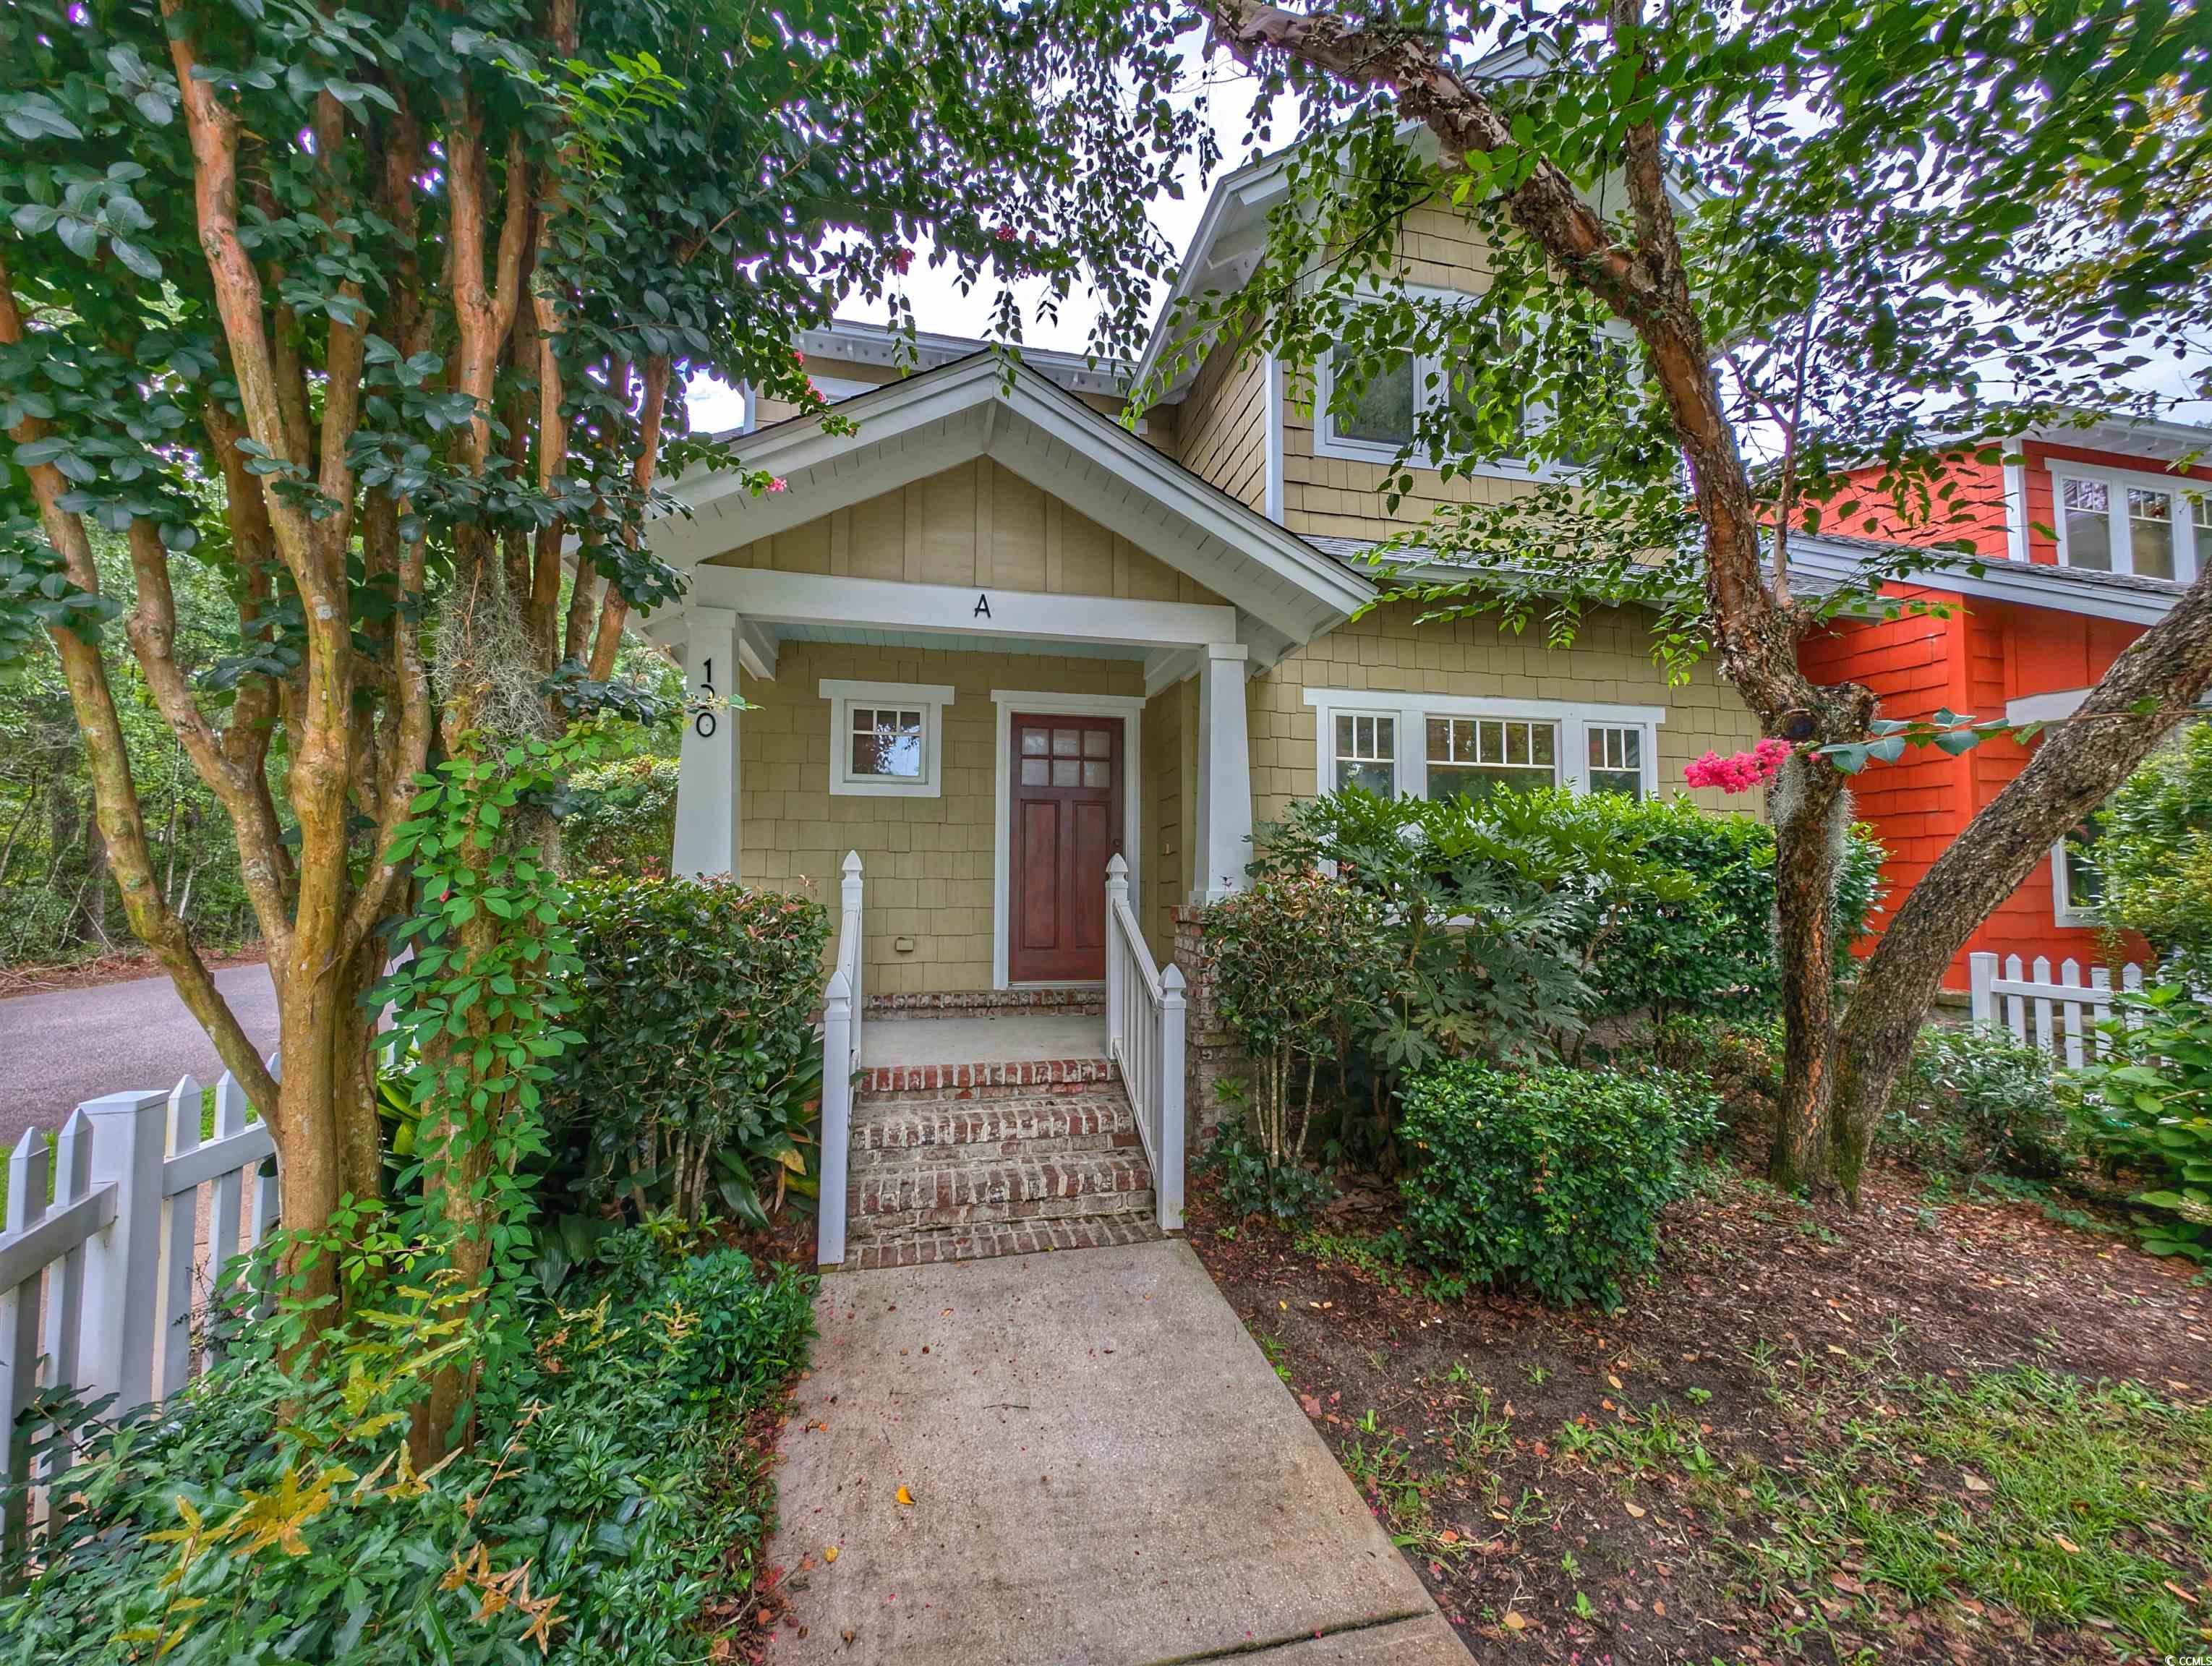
<point x="2109" y="521"/>
<point x="885" y="738"/>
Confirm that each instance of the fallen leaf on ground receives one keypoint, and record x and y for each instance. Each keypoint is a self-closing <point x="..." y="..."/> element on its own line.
<point x="829" y="1554"/>
<point x="905" y="1496"/>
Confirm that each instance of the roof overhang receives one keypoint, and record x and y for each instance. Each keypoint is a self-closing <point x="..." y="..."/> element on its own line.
<point x="1831" y="562"/>
<point x="987" y="406"/>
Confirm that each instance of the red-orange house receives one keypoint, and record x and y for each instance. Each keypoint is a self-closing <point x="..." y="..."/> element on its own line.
<point x="2082" y="544"/>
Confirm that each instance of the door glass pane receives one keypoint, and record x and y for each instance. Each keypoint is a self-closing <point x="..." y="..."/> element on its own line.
<point x="1034" y="770"/>
<point x="2150" y="533"/>
<point x="1066" y="772"/>
<point x="1382" y="410"/>
<point x="2087" y="506"/>
<point x="1097" y="743"/>
<point x="1096" y="774"/>
<point x="1066" y="742"/>
<point x="1035" y="743"/>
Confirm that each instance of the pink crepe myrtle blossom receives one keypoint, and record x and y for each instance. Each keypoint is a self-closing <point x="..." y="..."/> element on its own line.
<point x="778" y="484"/>
<point x="1741" y="772"/>
<point x="902" y="261"/>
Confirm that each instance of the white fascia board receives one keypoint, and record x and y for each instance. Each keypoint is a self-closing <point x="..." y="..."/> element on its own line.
<point x="2023" y="584"/>
<point x="818" y="598"/>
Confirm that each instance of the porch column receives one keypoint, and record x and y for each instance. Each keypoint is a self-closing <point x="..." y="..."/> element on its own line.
<point x="707" y="811"/>
<point x="1225" y="773"/>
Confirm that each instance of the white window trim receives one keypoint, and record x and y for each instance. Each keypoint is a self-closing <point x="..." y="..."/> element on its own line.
<point x="932" y="698"/>
<point x="2193" y="544"/>
<point x="1130" y="708"/>
<point x="2062" y="906"/>
<point x="1410" y="772"/>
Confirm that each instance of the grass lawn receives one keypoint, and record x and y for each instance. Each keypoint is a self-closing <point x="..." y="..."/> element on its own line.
<point x="1936" y="1430"/>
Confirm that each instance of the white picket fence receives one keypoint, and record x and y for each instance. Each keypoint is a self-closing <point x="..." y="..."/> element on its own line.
<point x="99" y="1287"/>
<point x="2061" y="1015"/>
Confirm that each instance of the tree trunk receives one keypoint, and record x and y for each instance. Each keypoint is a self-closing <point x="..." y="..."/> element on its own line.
<point x="1812" y="818"/>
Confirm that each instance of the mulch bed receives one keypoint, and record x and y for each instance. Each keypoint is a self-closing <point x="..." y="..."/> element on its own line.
<point x="121" y="967"/>
<point x="1749" y="1282"/>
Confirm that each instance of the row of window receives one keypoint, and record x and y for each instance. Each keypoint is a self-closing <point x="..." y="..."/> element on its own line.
<point x="1473" y="755"/>
<point x="2110" y="526"/>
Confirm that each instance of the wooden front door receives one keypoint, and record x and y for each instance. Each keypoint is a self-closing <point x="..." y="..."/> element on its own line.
<point x="1067" y="822"/>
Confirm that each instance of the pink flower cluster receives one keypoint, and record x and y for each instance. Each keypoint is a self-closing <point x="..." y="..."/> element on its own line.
<point x="902" y="261"/>
<point x="1742" y="772"/>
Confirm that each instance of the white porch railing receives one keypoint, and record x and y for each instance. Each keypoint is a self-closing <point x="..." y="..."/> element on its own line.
<point x="1144" y="1038"/>
<point x="843" y="1005"/>
<point x="98" y="1287"/>
<point x="2064" y="1013"/>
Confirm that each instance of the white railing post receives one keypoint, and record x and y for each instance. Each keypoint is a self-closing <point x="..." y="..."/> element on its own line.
<point x="122" y="1263"/>
<point x="836" y="1117"/>
<point x="1168" y="1182"/>
<point x="1117" y="992"/>
<point x="64" y="1337"/>
<point x="1982" y="967"/>
<point x="848" y="904"/>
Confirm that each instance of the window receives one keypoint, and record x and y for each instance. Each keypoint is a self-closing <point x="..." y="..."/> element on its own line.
<point x="2112" y="522"/>
<point x="2077" y="887"/>
<point x="1366" y="755"/>
<point x="885" y="743"/>
<point x="1440" y="746"/>
<point x="1616" y="759"/>
<point x="885" y="737"/>
<point x="1383" y="412"/>
<point x="2088" y="530"/>
<point x="2150" y="533"/>
<point x="1475" y="755"/>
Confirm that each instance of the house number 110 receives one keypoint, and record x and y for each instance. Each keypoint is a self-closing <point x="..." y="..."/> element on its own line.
<point x="703" y="724"/>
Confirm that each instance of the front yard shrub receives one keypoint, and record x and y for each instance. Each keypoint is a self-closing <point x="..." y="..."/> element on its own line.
<point x="272" y="1513"/>
<point x="2146" y="1110"/>
<point x="1247" y="1184"/>
<point x="1299" y="962"/>
<point x="2155" y="854"/>
<point x="1975" y="1101"/>
<point x="1551" y="1180"/>
<point x="622" y="815"/>
<point x="699" y="1076"/>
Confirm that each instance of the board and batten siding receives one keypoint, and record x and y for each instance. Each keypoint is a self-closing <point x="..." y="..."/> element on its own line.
<point x="977" y="523"/>
<point x="1610" y="663"/>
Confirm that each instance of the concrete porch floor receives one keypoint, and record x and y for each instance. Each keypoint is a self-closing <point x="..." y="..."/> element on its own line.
<point x="967" y="1039"/>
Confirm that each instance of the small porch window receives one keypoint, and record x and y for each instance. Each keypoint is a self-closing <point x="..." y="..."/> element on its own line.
<point x="885" y="737"/>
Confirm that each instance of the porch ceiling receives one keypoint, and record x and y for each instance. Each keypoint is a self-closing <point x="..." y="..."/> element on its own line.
<point x="911" y="430"/>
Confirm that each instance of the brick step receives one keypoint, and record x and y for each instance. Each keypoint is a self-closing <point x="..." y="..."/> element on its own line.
<point x="1019" y="1187"/>
<point x="985" y="1239"/>
<point x="991" y="1079"/>
<point x="986" y="1003"/>
<point x="928" y="1128"/>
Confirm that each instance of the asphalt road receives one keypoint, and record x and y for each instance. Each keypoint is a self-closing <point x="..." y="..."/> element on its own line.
<point x="66" y="1045"/>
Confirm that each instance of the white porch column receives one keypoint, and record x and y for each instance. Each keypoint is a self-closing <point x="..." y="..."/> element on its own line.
<point x="1225" y="773"/>
<point x="706" y="810"/>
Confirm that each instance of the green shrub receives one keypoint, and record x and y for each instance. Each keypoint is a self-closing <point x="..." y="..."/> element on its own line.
<point x="1247" y="1184"/>
<point x="699" y="1074"/>
<point x="1297" y="962"/>
<point x="621" y="816"/>
<point x="1596" y="904"/>
<point x="270" y="1514"/>
<point x="2154" y="854"/>
<point x="1551" y="1180"/>
<point x="2146" y="1109"/>
<point x="1972" y="1101"/>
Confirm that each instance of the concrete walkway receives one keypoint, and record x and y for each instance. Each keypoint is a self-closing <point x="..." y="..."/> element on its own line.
<point x="1103" y="1468"/>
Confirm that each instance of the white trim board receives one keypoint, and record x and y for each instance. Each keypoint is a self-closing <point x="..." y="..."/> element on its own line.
<point x="1130" y="708"/>
<point x="820" y="599"/>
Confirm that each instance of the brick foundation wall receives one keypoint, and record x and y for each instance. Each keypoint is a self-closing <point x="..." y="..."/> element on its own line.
<point x="1210" y="1053"/>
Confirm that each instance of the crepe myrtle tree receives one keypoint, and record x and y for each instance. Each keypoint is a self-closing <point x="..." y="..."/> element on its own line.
<point x="384" y="312"/>
<point x="1856" y="233"/>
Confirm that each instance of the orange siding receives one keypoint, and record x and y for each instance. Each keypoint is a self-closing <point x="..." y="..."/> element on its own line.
<point x="1973" y="662"/>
